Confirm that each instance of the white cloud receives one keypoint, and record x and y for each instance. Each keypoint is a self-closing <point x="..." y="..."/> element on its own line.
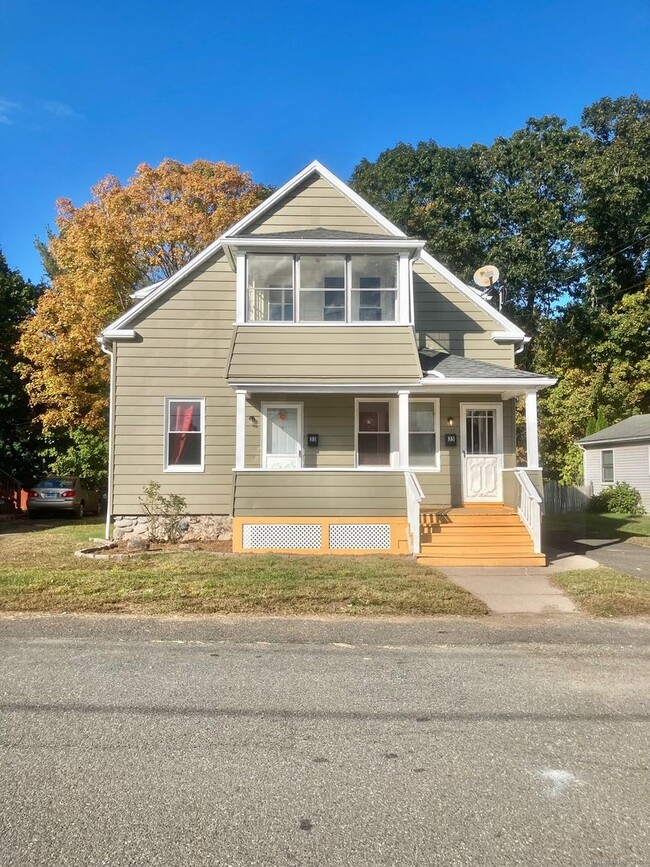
<point x="59" y="109"/>
<point x="7" y="107"/>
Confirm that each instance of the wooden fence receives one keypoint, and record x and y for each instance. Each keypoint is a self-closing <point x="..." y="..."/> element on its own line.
<point x="560" y="499"/>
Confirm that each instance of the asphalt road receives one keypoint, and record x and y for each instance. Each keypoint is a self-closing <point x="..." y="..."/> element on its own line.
<point x="292" y="742"/>
<point x="627" y="557"/>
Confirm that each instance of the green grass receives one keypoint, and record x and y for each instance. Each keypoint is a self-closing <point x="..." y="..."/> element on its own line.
<point x="592" y="524"/>
<point x="605" y="593"/>
<point x="39" y="573"/>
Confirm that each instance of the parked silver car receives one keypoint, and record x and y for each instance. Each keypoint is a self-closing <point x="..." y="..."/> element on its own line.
<point x="62" y="494"/>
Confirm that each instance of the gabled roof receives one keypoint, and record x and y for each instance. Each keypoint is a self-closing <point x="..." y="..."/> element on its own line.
<point x="318" y="234"/>
<point x="313" y="168"/>
<point x="118" y="329"/>
<point x="636" y="427"/>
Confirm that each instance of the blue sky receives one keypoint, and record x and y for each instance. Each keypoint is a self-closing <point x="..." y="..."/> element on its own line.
<point x="90" y="89"/>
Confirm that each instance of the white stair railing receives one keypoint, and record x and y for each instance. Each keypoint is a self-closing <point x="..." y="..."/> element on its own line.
<point x="530" y="508"/>
<point x="414" y="496"/>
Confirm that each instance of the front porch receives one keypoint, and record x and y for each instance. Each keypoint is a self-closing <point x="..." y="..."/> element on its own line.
<point x="351" y="470"/>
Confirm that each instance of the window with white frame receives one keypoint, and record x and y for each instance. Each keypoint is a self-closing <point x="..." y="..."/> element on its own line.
<point x="321" y="288"/>
<point x="423" y="434"/>
<point x="184" y="434"/>
<point x="607" y="465"/>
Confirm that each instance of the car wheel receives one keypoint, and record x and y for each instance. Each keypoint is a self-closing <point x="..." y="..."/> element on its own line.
<point x="80" y="510"/>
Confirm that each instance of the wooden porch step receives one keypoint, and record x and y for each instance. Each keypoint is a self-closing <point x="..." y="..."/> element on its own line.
<point x="487" y="560"/>
<point x="473" y="521"/>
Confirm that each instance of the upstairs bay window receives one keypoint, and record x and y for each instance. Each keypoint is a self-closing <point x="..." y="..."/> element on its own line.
<point x="321" y="288"/>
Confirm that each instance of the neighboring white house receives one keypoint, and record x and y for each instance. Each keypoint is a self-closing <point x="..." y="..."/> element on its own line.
<point x="620" y="453"/>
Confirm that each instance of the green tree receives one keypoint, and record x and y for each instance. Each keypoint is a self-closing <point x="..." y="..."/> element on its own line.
<point x="20" y="443"/>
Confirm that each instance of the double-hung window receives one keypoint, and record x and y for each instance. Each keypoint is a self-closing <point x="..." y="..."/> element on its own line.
<point x="607" y="466"/>
<point x="184" y="435"/>
<point x="373" y="433"/>
<point x="321" y="287"/>
<point x="423" y="434"/>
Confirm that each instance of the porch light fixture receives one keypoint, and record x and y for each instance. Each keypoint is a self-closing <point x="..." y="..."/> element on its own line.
<point x="253" y="420"/>
<point x="450" y="421"/>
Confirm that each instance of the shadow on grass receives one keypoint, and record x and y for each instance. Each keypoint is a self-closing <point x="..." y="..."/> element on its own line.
<point x="23" y="524"/>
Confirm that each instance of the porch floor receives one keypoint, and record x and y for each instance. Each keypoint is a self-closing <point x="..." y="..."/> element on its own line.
<point x="476" y="535"/>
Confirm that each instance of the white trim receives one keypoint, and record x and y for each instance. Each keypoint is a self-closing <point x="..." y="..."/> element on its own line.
<point x="521" y="385"/>
<point x="254" y="242"/>
<point x="509" y="327"/>
<point x="321" y="323"/>
<point x="319" y="470"/>
<point x="436" y="432"/>
<point x="183" y="468"/>
<point x="403" y="429"/>
<point x="498" y="445"/>
<point x="299" y="406"/>
<point x="119" y="334"/>
<point x="240" y="291"/>
<point x="393" y="442"/>
<point x="630" y="441"/>
<point x="532" y="435"/>
<point x="296" y="180"/>
<point x="240" y="429"/>
<point x="111" y="441"/>
<point x="402" y="302"/>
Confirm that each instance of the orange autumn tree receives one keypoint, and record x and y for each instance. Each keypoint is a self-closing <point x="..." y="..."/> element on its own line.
<point x="127" y="236"/>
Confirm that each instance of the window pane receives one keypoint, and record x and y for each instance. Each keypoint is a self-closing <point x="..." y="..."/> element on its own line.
<point x="422" y="450"/>
<point x="185" y="449"/>
<point x="184" y="415"/>
<point x="373" y="271"/>
<point x="322" y="272"/>
<point x="479" y="428"/>
<point x="421" y="417"/>
<point x="374" y="417"/>
<point x="270" y="287"/>
<point x="373" y="306"/>
<point x="374" y="449"/>
<point x="270" y="271"/>
<point x="323" y="306"/>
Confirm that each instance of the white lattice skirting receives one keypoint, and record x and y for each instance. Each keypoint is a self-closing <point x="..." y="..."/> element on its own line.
<point x="298" y="536"/>
<point x="314" y="537"/>
<point x="360" y="537"/>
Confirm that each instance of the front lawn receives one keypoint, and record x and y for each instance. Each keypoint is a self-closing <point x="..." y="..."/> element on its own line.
<point x="610" y="525"/>
<point x="604" y="592"/>
<point x="39" y="573"/>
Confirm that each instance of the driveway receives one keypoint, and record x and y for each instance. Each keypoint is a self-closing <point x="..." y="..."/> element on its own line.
<point x="624" y="556"/>
<point x="248" y="743"/>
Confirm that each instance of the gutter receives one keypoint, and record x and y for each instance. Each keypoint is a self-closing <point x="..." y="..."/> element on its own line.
<point x="111" y="414"/>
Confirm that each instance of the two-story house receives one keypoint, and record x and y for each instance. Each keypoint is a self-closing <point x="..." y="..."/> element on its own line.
<point x="319" y="383"/>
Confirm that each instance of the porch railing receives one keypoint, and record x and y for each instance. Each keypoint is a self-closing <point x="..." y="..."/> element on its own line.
<point x="414" y="496"/>
<point x="529" y="508"/>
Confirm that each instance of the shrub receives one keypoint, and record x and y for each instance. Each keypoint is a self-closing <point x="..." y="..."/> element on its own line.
<point x="164" y="511"/>
<point x="621" y="498"/>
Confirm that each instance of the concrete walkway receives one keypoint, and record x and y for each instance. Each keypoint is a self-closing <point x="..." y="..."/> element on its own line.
<point x="519" y="590"/>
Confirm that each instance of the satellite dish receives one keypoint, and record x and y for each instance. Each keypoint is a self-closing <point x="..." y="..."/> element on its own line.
<point x="486" y="276"/>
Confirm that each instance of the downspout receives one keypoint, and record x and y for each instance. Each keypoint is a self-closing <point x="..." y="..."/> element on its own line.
<point x="111" y="414"/>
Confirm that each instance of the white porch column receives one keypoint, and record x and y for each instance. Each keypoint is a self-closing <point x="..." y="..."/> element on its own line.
<point x="403" y="428"/>
<point x="532" y="439"/>
<point x="240" y="430"/>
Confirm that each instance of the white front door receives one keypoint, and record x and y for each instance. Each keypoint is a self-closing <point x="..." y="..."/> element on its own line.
<point x="482" y="452"/>
<point x="282" y="436"/>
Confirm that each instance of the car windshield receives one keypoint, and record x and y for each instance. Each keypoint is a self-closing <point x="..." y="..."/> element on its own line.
<point x="56" y="484"/>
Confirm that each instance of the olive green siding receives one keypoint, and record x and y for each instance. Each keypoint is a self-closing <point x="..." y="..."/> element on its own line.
<point x="312" y="205"/>
<point x="183" y="344"/>
<point x="332" y="418"/>
<point x="446" y="319"/>
<point x="344" y="494"/>
<point x="333" y="354"/>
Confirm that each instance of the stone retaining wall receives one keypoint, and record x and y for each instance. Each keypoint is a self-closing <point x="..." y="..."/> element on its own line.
<point x="194" y="528"/>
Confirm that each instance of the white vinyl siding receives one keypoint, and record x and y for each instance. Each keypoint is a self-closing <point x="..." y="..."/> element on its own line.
<point x="631" y="465"/>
